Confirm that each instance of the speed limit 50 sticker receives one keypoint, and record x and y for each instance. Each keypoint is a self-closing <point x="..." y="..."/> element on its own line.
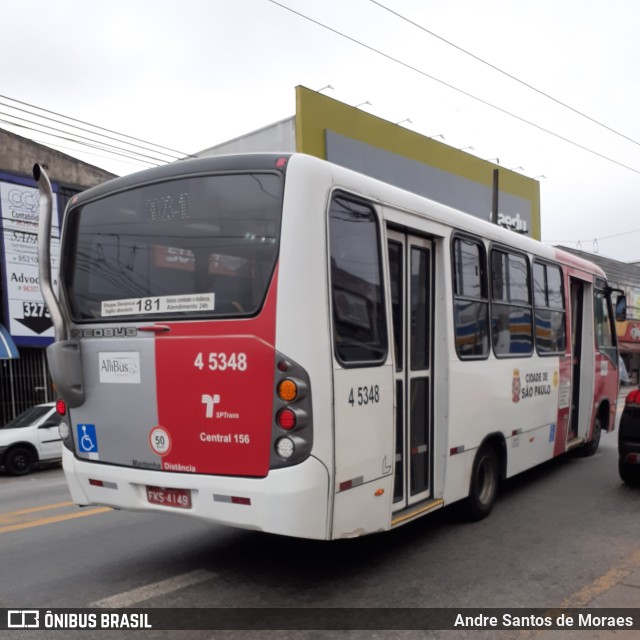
<point x="160" y="441"/>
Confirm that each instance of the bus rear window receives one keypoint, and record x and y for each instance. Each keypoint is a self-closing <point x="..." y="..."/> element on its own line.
<point x="200" y="246"/>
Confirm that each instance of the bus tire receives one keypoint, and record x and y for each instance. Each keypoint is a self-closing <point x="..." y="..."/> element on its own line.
<point x="629" y="473"/>
<point x="592" y="446"/>
<point x="19" y="461"/>
<point x="483" y="489"/>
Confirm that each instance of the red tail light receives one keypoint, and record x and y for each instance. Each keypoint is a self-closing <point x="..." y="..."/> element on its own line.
<point x="286" y="419"/>
<point x="633" y="397"/>
<point x="61" y="407"/>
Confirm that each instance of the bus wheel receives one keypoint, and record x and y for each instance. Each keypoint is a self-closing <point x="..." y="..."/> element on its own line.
<point x="592" y="446"/>
<point x="19" y="461"/>
<point x="629" y="473"/>
<point x="485" y="477"/>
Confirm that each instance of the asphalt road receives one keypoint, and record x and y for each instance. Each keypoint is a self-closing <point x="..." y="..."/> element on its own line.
<point x="562" y="535"/>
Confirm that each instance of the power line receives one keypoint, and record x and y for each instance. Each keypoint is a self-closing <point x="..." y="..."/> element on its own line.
<point x="448" y="85"/>
<point x="81" y="139"/>
<point x="610" y="237"/>
<point x="123" y="135"/>
<point x="105" y="146"/>
<point x="454" y="88"/>
<point x="37" y="115"/>
<point x="505" y="73"/>
<point x="121" y="153"/>
<point x="133" y="161"/>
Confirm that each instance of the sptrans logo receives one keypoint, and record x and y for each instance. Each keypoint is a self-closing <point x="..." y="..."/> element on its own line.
<point x="210" y="402"/>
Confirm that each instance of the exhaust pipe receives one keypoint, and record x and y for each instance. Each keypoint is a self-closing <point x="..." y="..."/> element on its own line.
<point x="44" y="252"/>
<point x="64" y="355"/>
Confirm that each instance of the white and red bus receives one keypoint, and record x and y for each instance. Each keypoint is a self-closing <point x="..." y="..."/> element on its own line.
<point x="276" y="343"/>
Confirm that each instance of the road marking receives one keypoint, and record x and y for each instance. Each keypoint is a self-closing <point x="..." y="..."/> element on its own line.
<point x="589" y="592"/>
<point x="52" y="519"/>
<point x="11" y="515"/>
<point x="603" y="583"/>
<point x="134" y="596"/>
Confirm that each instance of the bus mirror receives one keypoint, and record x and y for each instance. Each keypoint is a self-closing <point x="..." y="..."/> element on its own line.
<point x="621" y="308"/>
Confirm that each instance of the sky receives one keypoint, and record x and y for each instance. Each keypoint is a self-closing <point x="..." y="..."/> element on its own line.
<point x="191" y="74"/>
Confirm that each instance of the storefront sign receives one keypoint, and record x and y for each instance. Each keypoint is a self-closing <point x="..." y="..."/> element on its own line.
<point x="27" y="317"/>
<point x="632" y="334"/>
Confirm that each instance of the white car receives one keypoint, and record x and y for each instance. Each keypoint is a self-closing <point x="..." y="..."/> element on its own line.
<point x="29" y="439"/>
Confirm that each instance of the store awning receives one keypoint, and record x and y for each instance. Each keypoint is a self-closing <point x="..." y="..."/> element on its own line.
<point x="8" y="349"/>
<point x="629" y="347"/>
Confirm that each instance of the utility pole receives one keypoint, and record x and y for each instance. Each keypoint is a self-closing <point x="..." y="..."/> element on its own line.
<point x="494" y="199"/>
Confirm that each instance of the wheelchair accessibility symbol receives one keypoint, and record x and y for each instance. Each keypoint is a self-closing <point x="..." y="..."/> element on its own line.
<point x="87" y="439"/>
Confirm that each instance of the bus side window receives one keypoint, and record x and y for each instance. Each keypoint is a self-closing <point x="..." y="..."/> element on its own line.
<point x="471" y="303"/>
<point x="359" y="319"/>
<point x="548" y="299"/>
<point x="604" y="325"/>
<point x="511" y="322"/>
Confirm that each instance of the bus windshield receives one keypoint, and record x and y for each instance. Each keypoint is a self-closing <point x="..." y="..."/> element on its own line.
<point x="202" y="246"/>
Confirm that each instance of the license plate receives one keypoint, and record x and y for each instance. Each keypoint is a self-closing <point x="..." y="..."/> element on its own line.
<point x="178" y="498"/>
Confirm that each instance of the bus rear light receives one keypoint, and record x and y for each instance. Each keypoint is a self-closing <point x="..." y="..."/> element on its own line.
<point x="102" y="483"/>
<point x="287" y="390"/>
<point x="231" y="499"/>
<point x="633" y="397"/>
<point x="285" y="448"/>
<point x="281" y="163"/>
<point x="64" y="430"/>
<point x="292" y="421"/>
<point x="286" y="419"/>
<point x="61" y="407"/>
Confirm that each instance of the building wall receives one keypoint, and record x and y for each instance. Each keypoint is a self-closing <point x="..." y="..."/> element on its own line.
<point x="345" y="135"/>
<point x="278" y="137"/>
<point x="454" y="190"/>
<point x="334" y="131"/>
<point x="18" y="155"/>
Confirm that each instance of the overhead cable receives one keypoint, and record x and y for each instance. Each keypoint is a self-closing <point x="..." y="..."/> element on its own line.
<point x="67" y="139"/>
<point x="93" y="133"/>
<point x="97" y="144"/>
<point x="505" y="73"/>
<point x="123" y="135"/>
<point x="454" y="88"/>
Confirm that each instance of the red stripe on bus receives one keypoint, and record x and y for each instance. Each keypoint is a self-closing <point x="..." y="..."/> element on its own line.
<point x="215" y="390"/>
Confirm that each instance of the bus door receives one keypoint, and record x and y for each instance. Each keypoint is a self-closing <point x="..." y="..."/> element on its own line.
<point x="411" y="277"/>
<point x="583" y="358"/>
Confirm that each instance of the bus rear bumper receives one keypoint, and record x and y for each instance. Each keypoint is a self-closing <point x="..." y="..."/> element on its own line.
<point x="293" y="501"/>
